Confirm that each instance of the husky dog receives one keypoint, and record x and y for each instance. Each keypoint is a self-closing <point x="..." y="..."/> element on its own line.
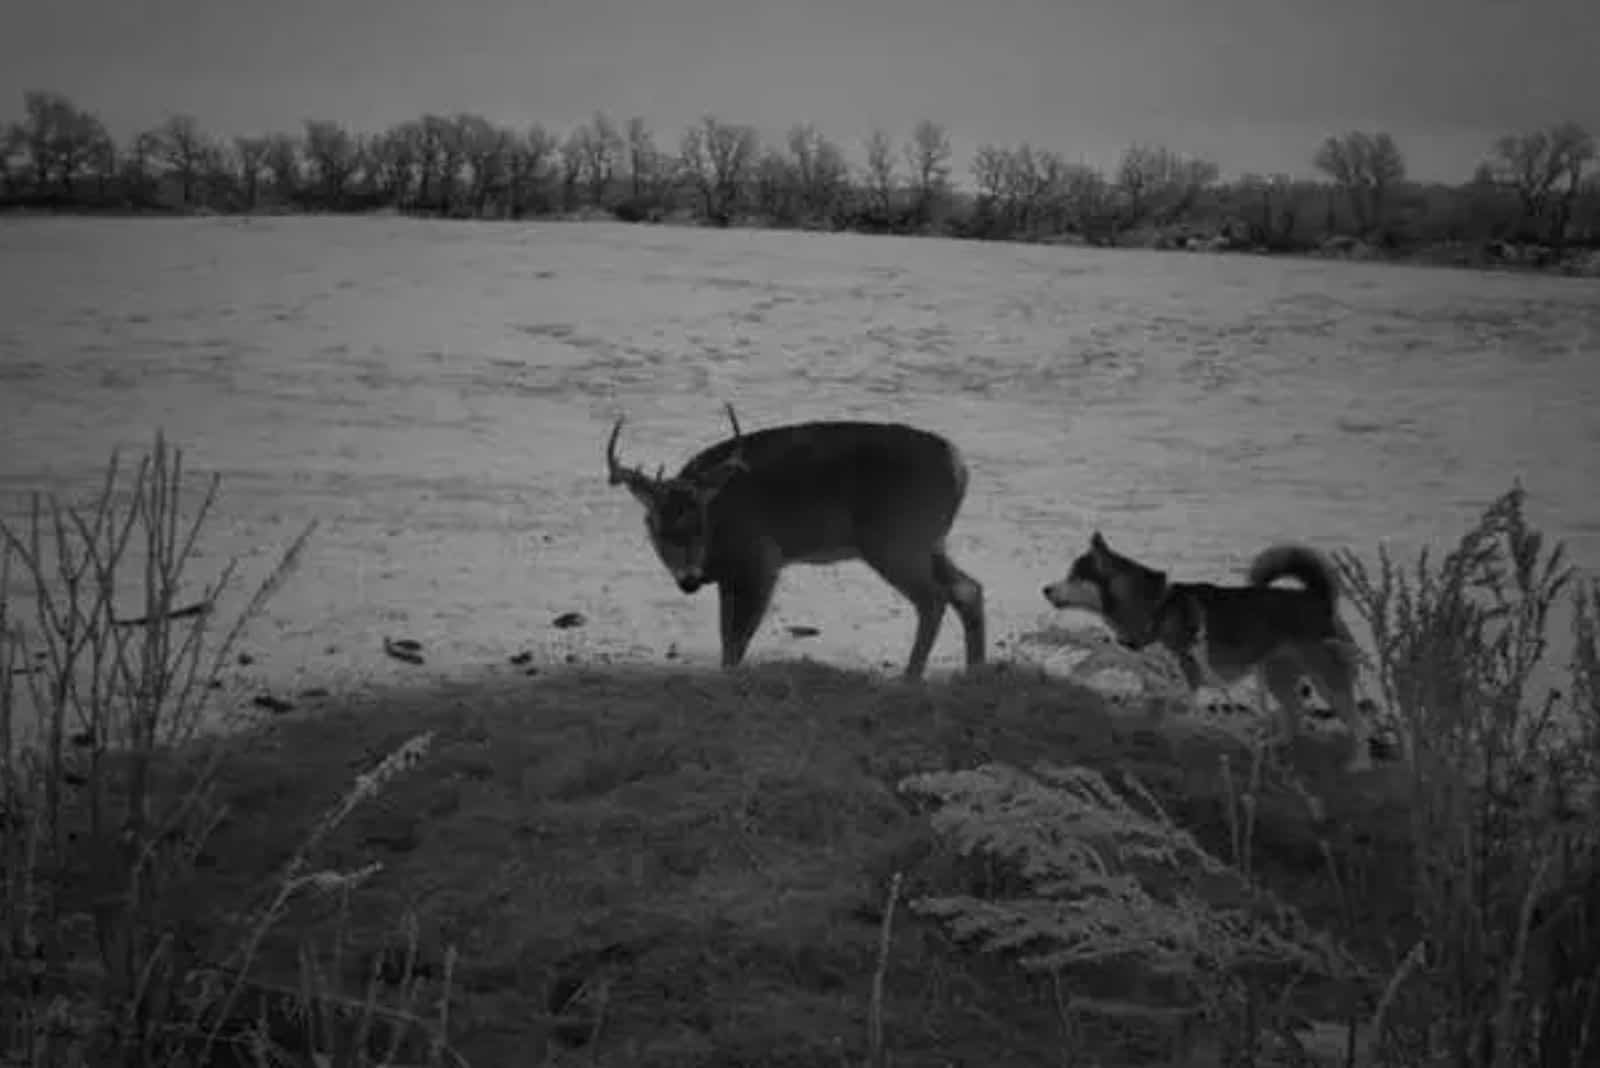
<point x="1220" y="634"/>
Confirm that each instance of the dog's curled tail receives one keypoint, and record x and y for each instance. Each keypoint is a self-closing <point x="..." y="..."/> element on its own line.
<point x="1301" y="562"/>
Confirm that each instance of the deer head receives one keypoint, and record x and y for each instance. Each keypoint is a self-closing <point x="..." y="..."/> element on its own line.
<point x="678" y="513"/>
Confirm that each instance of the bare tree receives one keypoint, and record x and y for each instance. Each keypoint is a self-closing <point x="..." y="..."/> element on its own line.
<point x="137" y="172"/>
<point x="1022" y="192"/>
<point x="428" y="151"/>
<point x="368" y="187"/>
<point x="59" y="139"/>
<point x="393" y="158"/>
<point x="1484" y="207"/>
<point x="1191" y="177"/>
<point x="648" y="168"/>
<point x="183" y="146"/>
<point x="717" y="158"/>
<point x="990" y="173"/>
<point x="1160" y="186"/>
<point x="928" y="157"/>
<point x="441" y="138"/>
<point x="216" y="181"/>
<point x="1033" y="190"/>
<point x="1052" y="205"/>
<point x="1138" y="175"/>
<point x="1365" y="167"/>
<point x="1089" y="204"/>
<point x="1545" y="169"/>
<point x="880" y="173"/>
<point x="989" y="165"/>
<point x="368" y="181"/>
<point x="331" y="154"/>
<point x="250" y="157"/>
<point x="776" y="189"/>
<point x="13" y="142"/>
<point x="283" y="162"/>
<point x="601" y="147"/>
<point x="1271" y="207"/>
<point x="1587" y="210"/>
<point x="574" y="154"/>
<point x="486" y="149"/>
<point x="530" y="162"/>
<point x="821" y="173"/>
<point x="102" y="162"/>
<point x="1019" y="189"/>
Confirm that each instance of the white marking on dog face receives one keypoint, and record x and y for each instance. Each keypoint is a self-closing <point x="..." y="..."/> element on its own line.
<point x="1069" y="593"/>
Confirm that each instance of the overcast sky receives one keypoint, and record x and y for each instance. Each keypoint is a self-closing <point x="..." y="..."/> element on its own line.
<point x="1254" y="84"/>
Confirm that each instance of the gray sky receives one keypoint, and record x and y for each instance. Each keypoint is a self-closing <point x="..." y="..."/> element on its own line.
<point x="1254" y="84"/>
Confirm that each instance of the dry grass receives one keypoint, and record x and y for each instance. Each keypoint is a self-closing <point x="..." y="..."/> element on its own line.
<point x="673" y="866"/>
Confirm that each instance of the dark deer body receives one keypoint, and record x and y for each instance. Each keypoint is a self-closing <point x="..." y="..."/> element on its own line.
<point x="742" y="510"/>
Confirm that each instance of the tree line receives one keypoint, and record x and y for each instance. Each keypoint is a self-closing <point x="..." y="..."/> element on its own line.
<point x="1536" y="189"/>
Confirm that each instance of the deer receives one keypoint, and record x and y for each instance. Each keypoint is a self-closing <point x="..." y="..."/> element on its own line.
<point x="741" y="511"/>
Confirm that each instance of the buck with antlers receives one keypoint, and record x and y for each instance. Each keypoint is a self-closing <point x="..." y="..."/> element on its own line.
<point x="742" y="510"/>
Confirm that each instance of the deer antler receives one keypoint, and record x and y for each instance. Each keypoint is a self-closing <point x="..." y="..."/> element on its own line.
<point x="639" y="483"/>
<point x="733" y="463"/>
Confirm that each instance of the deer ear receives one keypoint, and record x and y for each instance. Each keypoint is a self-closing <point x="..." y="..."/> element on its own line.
<point x="715" y="480"/>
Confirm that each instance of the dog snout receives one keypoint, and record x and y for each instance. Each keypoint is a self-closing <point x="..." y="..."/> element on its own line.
<point x="690" y="581"/>
<point x="1069" y="593"/>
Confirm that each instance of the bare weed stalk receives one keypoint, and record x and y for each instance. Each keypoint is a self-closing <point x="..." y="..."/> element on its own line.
<point x="1457" y="644"/>
<point x="295" y="877"/>
<point x="877" y="1054"/>
<point x="367" y="1028"/>
<point x="104" y="767"/>
<point x="109" y="771"/>
<point x="1113" y="881"/>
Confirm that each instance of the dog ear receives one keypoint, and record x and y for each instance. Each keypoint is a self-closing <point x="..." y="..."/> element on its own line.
<point x="1097" y="542"/>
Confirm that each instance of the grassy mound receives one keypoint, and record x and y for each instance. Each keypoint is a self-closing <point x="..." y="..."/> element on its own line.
<point x="789" y="864"/>
<point x="692" y="868"/>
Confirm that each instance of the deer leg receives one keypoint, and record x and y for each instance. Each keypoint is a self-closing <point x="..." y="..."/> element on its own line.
<point x="914" y="578"/>
<point x="965" y="594"/>
<point x="742" y="602"/>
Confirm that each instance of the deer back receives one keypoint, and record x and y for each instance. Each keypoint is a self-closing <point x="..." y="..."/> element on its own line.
<point x="819" y="492"/>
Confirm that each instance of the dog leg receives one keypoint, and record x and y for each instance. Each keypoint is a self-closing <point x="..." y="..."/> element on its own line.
<point x="1282" y="680"/>
<point x="1333" y="672"/>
